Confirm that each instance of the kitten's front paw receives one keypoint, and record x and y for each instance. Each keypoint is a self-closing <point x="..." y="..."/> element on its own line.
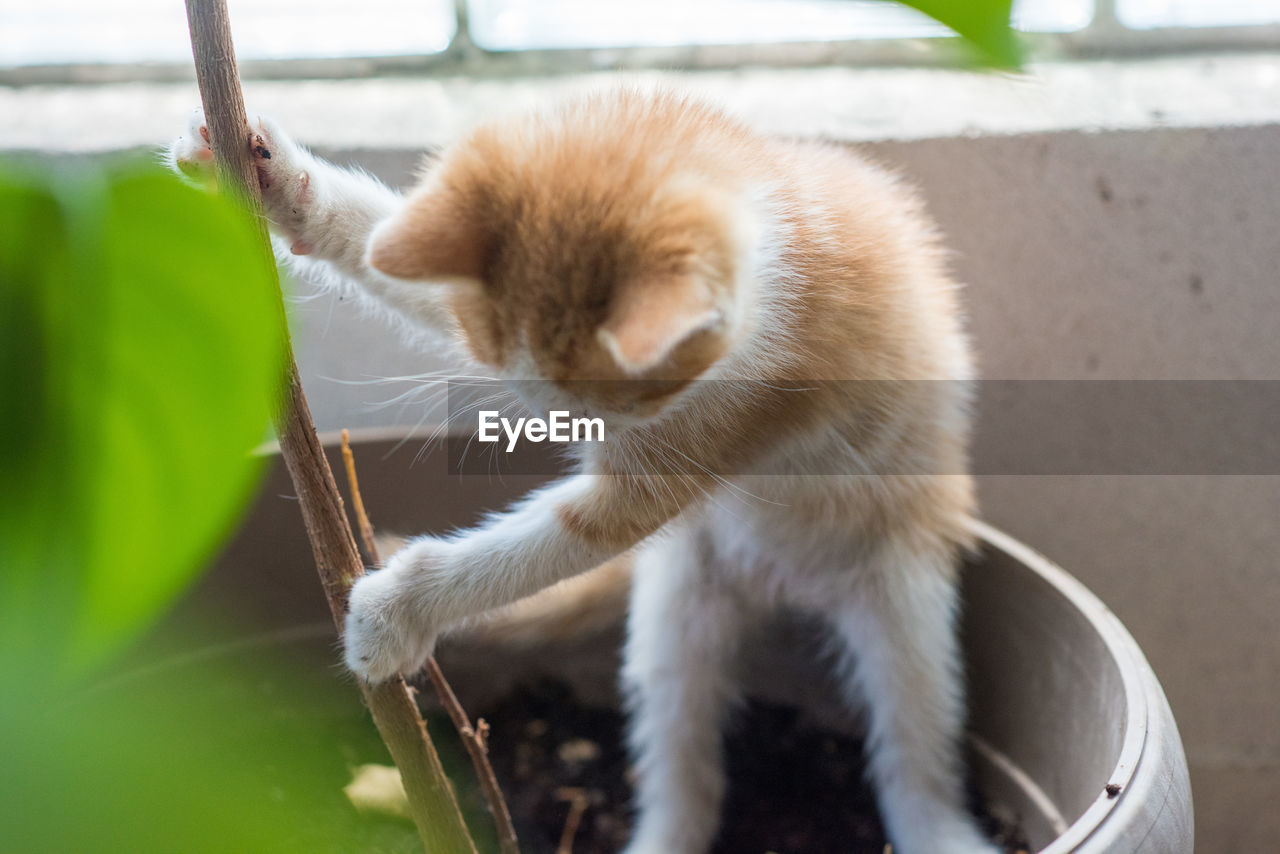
<point x="287" y="193"/>
<point x="391" y="624"/>
<point x="190" y="155"/>
<point x="282" y="168"/>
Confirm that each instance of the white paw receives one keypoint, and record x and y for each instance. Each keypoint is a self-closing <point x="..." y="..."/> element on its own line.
<point x="284" y="179"/>
<point x="190" y="155"/>
<point x="282" y="168"/>
<point x="392" y="614"/>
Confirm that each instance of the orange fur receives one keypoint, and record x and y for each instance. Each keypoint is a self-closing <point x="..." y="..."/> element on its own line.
<point x="607" y="240"/>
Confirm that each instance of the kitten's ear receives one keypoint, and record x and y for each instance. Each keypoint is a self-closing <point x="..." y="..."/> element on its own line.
<point x="653" y="316"/>
<point x="431" y="238"/>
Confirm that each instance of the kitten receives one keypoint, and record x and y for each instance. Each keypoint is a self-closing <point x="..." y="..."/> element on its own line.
<point x="711" y="284"/>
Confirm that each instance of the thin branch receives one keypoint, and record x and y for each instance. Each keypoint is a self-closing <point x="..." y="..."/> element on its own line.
<point x="578" y="804"/>
<point x="474" y="739"/>
<point x="357" y="503"/>
<point x="432" y="802"/>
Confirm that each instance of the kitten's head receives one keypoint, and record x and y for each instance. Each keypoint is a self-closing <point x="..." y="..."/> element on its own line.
<point x="599" y="252"/>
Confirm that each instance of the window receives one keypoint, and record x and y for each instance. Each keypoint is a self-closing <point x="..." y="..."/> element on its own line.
<point x="151" y="31"/>
<point x="535" y="24"/>
<point x="1148" y="14"/>
<point x="67" y="40"/>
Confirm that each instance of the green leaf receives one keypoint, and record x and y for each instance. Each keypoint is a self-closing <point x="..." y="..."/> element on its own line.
<point x="142" y="341"/>
<point x="985" y="24"/>
<point x="203" y="742"/>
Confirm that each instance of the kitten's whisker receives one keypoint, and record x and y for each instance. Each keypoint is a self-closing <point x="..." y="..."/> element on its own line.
<point x="723" y="480"/>
<point x="400" y="444"/>
<point x="470" y="408"/>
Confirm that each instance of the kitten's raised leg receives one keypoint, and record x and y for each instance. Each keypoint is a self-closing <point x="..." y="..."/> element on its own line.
<point x="322" y="210"/>
<point x="317" y="207"/>
<point x="322" y="216"/>
<point x="901" y="658"/>
<point x="683" y="629"/>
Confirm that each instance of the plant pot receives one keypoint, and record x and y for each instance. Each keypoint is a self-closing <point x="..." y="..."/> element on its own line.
<point x="1069" y="728"/>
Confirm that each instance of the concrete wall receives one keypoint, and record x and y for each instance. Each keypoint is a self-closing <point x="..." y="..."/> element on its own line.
<point x="1148" y="254"/>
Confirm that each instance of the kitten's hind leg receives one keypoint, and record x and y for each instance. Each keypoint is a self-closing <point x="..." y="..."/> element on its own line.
<point x="900" y="657"/>
<point x="682" y="631"/>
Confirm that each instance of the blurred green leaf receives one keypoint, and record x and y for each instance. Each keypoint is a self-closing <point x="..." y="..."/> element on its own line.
<point x="983" y="23"/>
<point x="34" y="257"/>
<point x="141" y="349"/>
<point x="240" y="747"/>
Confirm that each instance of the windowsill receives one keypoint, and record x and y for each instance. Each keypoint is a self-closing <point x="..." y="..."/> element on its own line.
<point x="856" y="104"/>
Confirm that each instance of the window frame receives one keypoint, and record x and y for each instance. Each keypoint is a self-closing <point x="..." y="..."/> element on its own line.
<point x="1104" y="37"/>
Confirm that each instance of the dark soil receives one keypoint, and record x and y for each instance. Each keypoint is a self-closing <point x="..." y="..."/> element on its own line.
<point x="795" y="789"/>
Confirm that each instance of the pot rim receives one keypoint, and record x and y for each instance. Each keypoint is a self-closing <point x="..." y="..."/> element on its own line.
<point x="1130" y="663"/>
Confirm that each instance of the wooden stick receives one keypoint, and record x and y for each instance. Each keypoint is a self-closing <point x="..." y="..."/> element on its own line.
<point x="473" y="738"/>
<point x="431" y="798"/>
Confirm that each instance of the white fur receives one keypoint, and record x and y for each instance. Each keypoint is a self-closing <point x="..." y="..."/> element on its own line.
<point x="435" y="583"/>
<point x="330" y="213"/>
<point x="683" y="630"/>
<point x="698" y="583"/>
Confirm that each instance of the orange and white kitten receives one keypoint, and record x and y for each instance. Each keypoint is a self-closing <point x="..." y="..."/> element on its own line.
<point x="615" y="250"/>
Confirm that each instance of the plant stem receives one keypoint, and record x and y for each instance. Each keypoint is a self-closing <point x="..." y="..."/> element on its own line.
<point x="357" y="502"/>
<point x="578" y="804"/>
<point x="473" y="738"/>
<point x="432" y="802"/>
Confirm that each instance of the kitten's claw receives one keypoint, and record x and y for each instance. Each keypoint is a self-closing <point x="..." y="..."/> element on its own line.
<point x="259" y="146"/>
